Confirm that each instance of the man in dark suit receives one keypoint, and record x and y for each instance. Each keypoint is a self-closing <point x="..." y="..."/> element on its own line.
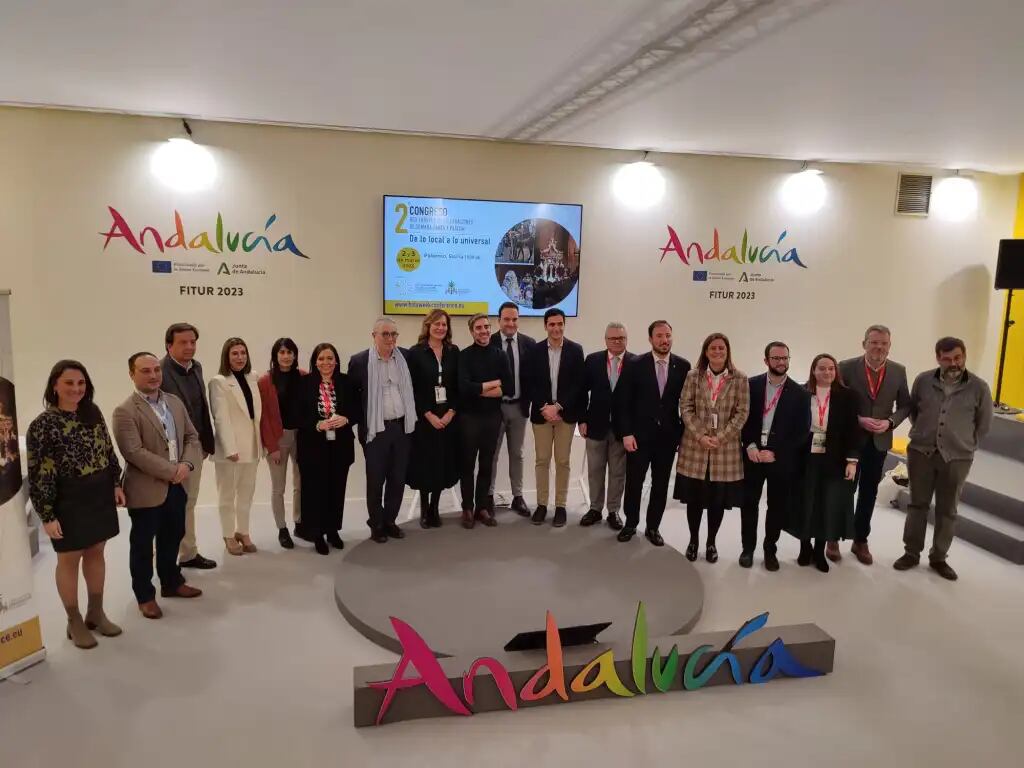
<point x="382" y="389"/>
<point x="645" y="414"/>
<point x="605" y="453"/>
<point x="881" y="388"/>
<point x="515" y="408"/>
<point x="554" y="384"/>
<point x="775" y="432"/>
<point x="183" y="378"/>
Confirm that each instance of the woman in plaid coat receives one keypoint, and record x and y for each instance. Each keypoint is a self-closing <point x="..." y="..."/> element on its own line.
<point x="714" y="407"/>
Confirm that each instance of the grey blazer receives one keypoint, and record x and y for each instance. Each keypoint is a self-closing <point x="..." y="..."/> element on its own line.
<point x="893" y="401"/>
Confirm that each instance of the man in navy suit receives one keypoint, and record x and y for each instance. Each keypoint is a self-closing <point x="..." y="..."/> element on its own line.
<point x="554" y="385"/>
<point x="775" y="432"/>
<point x="645" y="413"/>
<point x="605" y="454"/>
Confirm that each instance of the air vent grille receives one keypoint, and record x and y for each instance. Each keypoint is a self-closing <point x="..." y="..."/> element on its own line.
<point x="914" y="194"/>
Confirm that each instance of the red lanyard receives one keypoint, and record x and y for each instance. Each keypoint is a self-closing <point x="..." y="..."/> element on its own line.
<point x="717" y="390"/>
<point x="326" y="397"/>
<point x="778" y="393"/>
<point x="874" y="386"/>
<point x="823" y="408"/>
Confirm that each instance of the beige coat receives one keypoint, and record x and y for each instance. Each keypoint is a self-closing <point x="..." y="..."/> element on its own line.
<point x="234" y="431"/>
<point x="733" y="405"/>
<point x="142" y="441"/>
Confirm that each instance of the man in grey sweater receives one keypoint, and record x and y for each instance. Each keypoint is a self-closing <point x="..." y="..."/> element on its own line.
<point x="951" y="410"/>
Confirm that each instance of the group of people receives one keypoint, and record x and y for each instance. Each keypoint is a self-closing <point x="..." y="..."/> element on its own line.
<point x="433" y="416"/>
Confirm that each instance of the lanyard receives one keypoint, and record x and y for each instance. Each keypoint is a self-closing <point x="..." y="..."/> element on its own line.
<point x="769" y="407"/>
<point x="823" y="408"/>
<point x="874" y="386"/>
<point x="327" y="397"/>
<point x="717" y="390"/>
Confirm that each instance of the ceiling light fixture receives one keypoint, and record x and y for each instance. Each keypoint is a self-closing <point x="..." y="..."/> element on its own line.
<point x="639" y="185"/>
<point x="955" y="198"/>
<point x="804" y="192"/>
<point x="183" y="165"/>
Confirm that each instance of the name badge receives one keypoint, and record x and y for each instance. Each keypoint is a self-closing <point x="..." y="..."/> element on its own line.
<point x="818" y="442"/>
<point x="331" y="434"/>
<point x="714" y="419"/>
<point x="172" y="451"/>
<point x="440" y="395"/>
<point x="764" y="439"/>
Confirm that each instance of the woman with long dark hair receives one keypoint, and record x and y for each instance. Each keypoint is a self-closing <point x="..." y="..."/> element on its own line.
<point x="435" y="463"/>
<point x="823" y="511"/>
<point x="325" y="412"/>
<point x="714" y="407"/>
<point x="279" y="423"/>
<point x="75" y="487"/>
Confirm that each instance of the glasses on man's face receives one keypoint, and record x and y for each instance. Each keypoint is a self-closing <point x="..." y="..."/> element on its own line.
<point x="389" y="334"/>
<point x="779" y="359"/>
<point x="616" y="339"/>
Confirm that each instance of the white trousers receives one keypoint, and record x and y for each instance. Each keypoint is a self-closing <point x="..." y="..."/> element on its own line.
<point x="236" y="484"/>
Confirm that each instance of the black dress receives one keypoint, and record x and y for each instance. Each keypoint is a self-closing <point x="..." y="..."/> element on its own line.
<point x="435" y="461"/>
<point x="72" y="473"/>
<point x="323" y="463"/>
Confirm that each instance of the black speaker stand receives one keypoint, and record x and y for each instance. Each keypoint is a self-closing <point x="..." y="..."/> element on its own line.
<point x="1001" y="407"/>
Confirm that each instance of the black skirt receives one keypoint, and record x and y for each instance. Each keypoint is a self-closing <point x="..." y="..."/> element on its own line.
<point x="86" y="511"/>
<point x="434" y="463"/>
<point x="708" y="494"/>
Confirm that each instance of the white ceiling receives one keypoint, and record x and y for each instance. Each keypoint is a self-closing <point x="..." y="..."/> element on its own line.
<point x="918" y="82"/>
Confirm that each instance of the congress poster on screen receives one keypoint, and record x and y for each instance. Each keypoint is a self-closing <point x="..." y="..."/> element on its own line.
<point x="469" y="256"/>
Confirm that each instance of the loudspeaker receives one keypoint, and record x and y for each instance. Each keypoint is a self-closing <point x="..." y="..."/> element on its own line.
<point x="1010" y="266"/>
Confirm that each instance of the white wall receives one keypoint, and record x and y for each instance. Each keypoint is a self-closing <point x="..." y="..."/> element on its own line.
<point x="923" y="277"/>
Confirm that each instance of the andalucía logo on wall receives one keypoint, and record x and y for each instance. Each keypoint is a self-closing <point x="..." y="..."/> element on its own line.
<point x="748" y="254"/>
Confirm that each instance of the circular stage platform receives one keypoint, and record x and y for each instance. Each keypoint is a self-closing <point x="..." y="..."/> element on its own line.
<point x="472" y="591"/>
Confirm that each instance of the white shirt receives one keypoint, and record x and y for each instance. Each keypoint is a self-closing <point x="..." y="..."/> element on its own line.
<point x="554" y="363"/>
<point x="391" y="400"/>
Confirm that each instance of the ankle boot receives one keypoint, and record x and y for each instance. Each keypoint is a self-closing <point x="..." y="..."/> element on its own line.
<point x="820" y="562"/>
<point x="424" y="509"/>
<point x="95" y="618"/>
<point x="435" y="514"/>
<point x="806" y="553"/>
<point x="78" y="633"/>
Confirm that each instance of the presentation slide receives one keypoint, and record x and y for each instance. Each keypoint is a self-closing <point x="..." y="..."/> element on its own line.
<point x="469" y="256"/>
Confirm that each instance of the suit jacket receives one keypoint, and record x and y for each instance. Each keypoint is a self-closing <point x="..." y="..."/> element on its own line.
<point x="725" y="464"/>
<point x="235" y="432"/>
<point x="596" y="396"/>
<point x="790" y="426"/>
<point x="310" y="439"/>
<point x="171" y="385"/>
<point x="843" y="435"/>
<point x="525" y="343"/>
<point x="358" y="382"/>
<point x="271" y="427"/>
<point x="637" y="409"/>
<point x="142" y="440"/>
<point x="893" y="401"/>
<point x="570" y="381"/>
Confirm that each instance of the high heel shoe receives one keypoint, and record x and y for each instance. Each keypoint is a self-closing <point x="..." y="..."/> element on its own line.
<point x="805" y="554"/>
<point x="321" y="546"/>
<point x="711" y="554"/>
<point x="233" y="547"/>
<point x="78" y="633"/>
<point x="247" y="546"/>
<point x="691" y="551"/>
<point x="335" y="540"/>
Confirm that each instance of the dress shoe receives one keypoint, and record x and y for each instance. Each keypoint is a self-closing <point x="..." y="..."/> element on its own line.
<point x="821" y="563"/>
<point x="746" y="559"/>
<point x="302" y="533"/>
<point x="378" y="535"/>
<point x="592" y="516"/>
<point x="285" y="539"/>
<point x="626" y="534"/>
<point x="468" y="521"/>
<point x="944" y="569"/>
<point x="335" y="540"/>
<point x="614" y="521"/>
<point x="832" y="551"/>
<point x="711" y="553"/>
<point x="199" y="562"/>
<point x="247" y="546"/>
<point x="320" y="545"/>
<point x="559" y="519"/>
<point x="182" y="590"/>
<point x="771" y="561"/>
<point x="806" y="554"/>
<point x="906" y="562"/>
<point x="393" y="531"/>
<point x="434" y="519"/>
<point x="691" y="551"/>
<point x="539" y="514"/>
<point x="233" y="547"/>
<point x="150" y="610"/>
<point x="96" y="619"/>
<point x="862" y="553"/>
<point x="485" y="516"/>
<point x="519" y="506"/>
<point x="78" y="632"/>
<point x="424" y="520"/>
<point x="654" y="537"/>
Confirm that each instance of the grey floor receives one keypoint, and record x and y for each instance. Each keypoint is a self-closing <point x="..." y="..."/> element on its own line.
<point x="258" y="672"/>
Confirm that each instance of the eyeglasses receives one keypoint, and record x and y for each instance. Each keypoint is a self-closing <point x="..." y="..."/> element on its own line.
<point x="778" y="359"/>
<point x="389" y="334"/>
<point x="615" y="338"/>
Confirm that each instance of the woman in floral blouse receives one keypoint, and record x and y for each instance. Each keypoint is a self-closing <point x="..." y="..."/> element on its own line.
<point x="74" y="485"/>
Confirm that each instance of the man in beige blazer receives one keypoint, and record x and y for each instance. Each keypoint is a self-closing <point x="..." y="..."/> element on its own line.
<point x="160" y="448"/>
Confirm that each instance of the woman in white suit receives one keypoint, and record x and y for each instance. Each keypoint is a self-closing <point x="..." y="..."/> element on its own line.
<point x="235" y="405"/>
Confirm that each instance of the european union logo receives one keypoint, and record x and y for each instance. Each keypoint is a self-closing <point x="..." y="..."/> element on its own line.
<point x="163" y="267"/>
<point x="699" y="276"/>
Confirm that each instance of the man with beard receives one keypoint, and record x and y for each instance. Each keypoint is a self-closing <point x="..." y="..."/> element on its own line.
<point x="780" y="418"/>
<point x="951" y="410"/>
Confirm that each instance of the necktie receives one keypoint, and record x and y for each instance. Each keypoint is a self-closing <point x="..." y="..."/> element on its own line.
<point x="613" y="375"/>
<point x="662" y="376"/>
<point x="511" y="363"/>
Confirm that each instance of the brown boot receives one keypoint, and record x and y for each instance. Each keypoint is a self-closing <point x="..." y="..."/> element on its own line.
<point x="832" y="551"/>
<point x="862" y="553"/>
<point x="78" y="633"/>
<point x="95" y="618"/>
<point x="467" y="519"/>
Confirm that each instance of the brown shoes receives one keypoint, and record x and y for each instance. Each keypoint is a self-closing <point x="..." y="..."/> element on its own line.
<point x="247" y="546"/>
<point x="150" y="610"/>
<point x="467" y="519"/>
<point x="96" y="619"/>
<point x="832" y="551"/>
<point x="182" y="591"/>
<point x="78" y="633"/>
<point x="862" y="553"/>
<point x="485" y="516"/>
<point x="233" y="547"/>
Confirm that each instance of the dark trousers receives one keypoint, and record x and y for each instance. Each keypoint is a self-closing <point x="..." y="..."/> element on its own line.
<point x="387" y="459"/>
<point x="165" y="524"/>
<point x="479" y="438"/>
<point x="869" y="475"/>
<point x="657" y="453"/>
<point x="933" y="476"/>
<point x="779" y="482"/>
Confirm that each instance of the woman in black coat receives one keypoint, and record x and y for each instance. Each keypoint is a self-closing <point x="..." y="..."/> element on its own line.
<point x="434" y="367"/>
<point x="823" y="509"/>
<point x="326" y="447"/>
